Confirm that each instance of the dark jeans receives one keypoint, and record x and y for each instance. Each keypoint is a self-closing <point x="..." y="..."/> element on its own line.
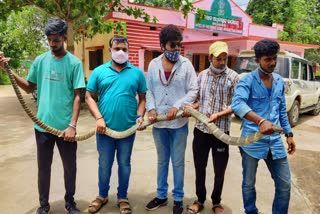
<point x="68" y="153"/>
<point x="202" y="143"/>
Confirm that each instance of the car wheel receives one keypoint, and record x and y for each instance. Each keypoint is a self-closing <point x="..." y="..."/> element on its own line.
<point x="293" y="114"/>
<point x="316" y="110"/>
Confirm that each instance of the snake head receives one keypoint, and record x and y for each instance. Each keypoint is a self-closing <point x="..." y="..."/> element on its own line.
<point x="277" y="129"/>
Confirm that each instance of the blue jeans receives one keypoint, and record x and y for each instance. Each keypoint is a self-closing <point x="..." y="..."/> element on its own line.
<point x="107" y="147"/>
<point x="281" y="176"/>
<point x="170" y="143"/>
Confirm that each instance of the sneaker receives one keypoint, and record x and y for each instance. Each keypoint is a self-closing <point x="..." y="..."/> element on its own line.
<point x="43" y="210"/>
<point x="177" y="207"/>
<point x="156" y="203"/>
<point x="72" y="208"/>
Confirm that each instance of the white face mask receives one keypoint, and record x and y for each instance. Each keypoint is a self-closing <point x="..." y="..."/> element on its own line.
<point x="216" y="70"/>
<point x="263" y="71"/>
<point x="120" y="56"/>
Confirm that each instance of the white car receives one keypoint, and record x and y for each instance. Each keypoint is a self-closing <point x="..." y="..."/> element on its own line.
<point x="302" y="91"/>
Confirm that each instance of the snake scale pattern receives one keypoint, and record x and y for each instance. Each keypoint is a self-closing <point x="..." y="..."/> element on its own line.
<point x="237" y="141"/>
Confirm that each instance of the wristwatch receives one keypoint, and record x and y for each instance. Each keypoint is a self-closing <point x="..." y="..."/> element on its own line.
<point x="290" y="134"/>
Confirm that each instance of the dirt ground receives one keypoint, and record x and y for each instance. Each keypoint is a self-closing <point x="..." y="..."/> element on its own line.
<point x="18" y="169"/>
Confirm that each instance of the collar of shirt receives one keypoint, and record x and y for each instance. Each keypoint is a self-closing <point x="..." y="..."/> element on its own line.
<point x="109" y="65"/>
<point x="275" y="77"/>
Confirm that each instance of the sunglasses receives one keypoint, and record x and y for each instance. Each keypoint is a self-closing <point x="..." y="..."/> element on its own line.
<point x="175" y="44"/>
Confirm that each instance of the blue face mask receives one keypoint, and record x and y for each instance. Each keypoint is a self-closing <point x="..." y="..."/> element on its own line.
<point x="172" y="56"/>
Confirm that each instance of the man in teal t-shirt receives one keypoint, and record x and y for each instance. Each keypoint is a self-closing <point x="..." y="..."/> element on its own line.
<point x="116" y="83"/>
<point x="57" y="75"/>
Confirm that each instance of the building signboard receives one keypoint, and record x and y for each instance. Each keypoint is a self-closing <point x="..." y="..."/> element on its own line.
<point x="220" y="19"/>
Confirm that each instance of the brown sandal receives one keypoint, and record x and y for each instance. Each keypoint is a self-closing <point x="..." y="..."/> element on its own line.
<point x="124" y="206"/>
<point x="97" y="204"/>
<point x="218" y="209"/>
<point x="195" y="208"/>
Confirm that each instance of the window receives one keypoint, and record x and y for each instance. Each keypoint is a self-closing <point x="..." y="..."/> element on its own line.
<point x="148" y="56"/>
<point x="206" y="62"/>
<point x="200" y="62"/>
<point x="295" y="69"/>
<point x="245" y="64"/>
<point x="196" y="62"/>
<point x="282" y="67"/>
<point x="156" y="54"/>
<point x="95" y="58"/>
<point x="310" y="71"/>
<point x="304" y="71"/>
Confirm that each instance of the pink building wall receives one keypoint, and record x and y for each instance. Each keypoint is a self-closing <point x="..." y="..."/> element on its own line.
<point x="196" y="41"/>
<point x="263" y="31"/>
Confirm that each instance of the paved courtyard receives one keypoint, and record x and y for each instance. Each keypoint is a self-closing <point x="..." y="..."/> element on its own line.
<point x="18" y="169"/>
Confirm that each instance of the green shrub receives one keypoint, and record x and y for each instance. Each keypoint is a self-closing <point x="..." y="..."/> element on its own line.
<point x="4" y="79"/>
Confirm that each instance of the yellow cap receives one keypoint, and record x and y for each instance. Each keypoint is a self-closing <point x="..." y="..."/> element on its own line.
<point x="217" y="48"/>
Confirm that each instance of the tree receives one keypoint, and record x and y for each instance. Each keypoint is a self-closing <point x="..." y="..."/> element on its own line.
<point x="301" y="19"/>
<point x="313" y="55"/>
<point x="21" y="35"/>
<point x="154" y="3"/>
<point x="87" y="15"/>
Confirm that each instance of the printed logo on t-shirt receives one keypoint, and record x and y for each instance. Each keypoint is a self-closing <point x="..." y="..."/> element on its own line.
<point x="221" y="149"/>
<point x="54" y="76"/>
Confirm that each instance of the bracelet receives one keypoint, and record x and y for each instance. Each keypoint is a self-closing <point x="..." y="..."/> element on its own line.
<point x="99" y="118"/>
<point x="261" y="121"/>
<point x="72" y="126"/>
<point x="138" y="116"/>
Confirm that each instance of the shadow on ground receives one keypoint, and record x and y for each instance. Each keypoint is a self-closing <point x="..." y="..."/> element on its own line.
<point x="138" y="203"/>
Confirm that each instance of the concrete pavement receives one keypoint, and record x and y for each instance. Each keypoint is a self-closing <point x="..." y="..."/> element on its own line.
<point x="18" y="169"/>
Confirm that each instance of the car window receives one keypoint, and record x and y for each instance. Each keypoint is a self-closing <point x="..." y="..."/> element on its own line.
<point x="310" y="70"/>
<point x="248" y="64"/>
<point x="245" y="64"/>
<point x="282" y="67"/>
<point x="295" y="69"/>
<point x="304" y="71"/>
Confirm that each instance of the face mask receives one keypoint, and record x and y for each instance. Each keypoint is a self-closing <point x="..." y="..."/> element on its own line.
<point x="216" y="70"/>
<point x="263" y="71"/>
<point x="172" y="56"/>
<point x="119" y="57"/>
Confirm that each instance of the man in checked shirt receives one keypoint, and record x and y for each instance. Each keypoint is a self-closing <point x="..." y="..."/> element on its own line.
<point x="216" y="89"/>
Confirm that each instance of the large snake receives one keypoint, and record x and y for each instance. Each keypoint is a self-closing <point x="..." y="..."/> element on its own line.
<point x="118" y="135"/>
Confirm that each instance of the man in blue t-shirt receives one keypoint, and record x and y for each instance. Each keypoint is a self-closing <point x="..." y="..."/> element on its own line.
<point x="116" y="84"/>
<point x="57" y="75"/>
